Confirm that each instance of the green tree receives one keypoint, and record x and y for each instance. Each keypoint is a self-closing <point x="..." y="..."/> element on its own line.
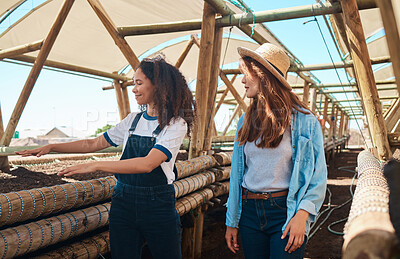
<point x="101" y="130"/>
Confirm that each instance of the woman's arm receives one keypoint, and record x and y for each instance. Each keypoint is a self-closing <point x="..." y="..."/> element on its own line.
<point x="80" y="146"/>
<point x="136" y="165"/>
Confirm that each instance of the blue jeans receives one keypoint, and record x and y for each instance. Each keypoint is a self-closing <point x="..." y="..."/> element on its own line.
<point x="261" y="229"/>
<point x="141" y="214"/>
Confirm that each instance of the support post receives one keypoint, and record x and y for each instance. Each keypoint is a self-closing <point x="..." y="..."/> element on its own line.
<point x="313" y="100"/>
<point x="35" y="71"/>
<point x="198" y="232"/>
<point x="341" y="124"/>
<point x="203" y="79"/>
<point x="325" y="116"/>
<point x="392" y="36"/>
<point x="113" y="31"/>
<point x="306" y="93"/>
<point x="4" y="165"/>
<point x="120" y="99"/>
<point x="213" y="88"/>
<point x="365" y="78"/>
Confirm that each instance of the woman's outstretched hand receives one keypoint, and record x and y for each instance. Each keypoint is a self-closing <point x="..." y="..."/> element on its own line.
<point x="231" y="239"/>
<point x="79" y="169"/>
<point x="35" y="152"/>
<point x="297" y="229"/>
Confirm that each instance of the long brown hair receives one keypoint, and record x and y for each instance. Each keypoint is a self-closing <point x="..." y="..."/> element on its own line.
<point x="269" y="113"/>
<point x="172" y="98"/>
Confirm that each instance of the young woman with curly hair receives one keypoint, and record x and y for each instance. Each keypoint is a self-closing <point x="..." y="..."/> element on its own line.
<point x="278" y="171"/>
<point x="143" y="200"/>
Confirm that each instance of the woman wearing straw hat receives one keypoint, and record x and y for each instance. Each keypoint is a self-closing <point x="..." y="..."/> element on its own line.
<point x="278" y="173"/>
<point x="143" y="201"/>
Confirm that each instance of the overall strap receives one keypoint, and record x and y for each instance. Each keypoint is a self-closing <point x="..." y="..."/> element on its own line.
<point x="156" y="131"/>
<point x="135" y="122"/>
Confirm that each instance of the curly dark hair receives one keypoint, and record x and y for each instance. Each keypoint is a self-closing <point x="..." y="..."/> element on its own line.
<point x="172" y="98"/>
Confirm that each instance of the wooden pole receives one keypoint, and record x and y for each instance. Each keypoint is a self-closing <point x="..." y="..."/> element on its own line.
<point x="213" y="87"/>
<point x="313" y="100"/>
<point x="68" y="67"/>
<point x="113" y="31"/>
<point x="203" y="79"/>
<point x="184" y="53"/>
<point x="334" y="132"/>
<point x="15" y="51"/>
<point x="306" y="93"/>
<point x="235" y="112"/>
<point x="34" y="74"/>
<point x="224" y="94"/>
<point x="393" y="116"/>
<point x="378" y="60"/>
<point x="331" y="123"/>
<point x="380" y="82"/>
<point x="120" y="99"/>
<point x="341" y="124"/>
<point x="198" y="231"/>
<point x="325" y="116"/>
<point x="392" y="36"/>
<point x="233" y="90"/>
<point x="4" y="165"/>
<point x="125" y="96"/>
<point x="365" y="78"/>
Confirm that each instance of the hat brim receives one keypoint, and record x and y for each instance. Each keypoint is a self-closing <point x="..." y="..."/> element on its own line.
<point x="245" y="52"/>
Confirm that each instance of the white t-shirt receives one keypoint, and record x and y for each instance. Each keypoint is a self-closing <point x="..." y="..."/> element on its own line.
<point x="168" y="141"/>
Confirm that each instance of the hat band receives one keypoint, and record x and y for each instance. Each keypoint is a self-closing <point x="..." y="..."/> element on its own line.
<point x="280" y="72"/>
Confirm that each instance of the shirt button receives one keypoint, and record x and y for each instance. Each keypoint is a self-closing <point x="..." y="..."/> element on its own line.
<point x="294" y="146"/>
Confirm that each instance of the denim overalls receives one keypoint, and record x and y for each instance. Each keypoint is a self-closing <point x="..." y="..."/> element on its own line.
<point x="143" y="207"/>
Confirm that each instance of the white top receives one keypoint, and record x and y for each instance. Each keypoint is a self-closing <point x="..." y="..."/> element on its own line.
<point x="168" y="141"/>
<point x="268" y="169"/>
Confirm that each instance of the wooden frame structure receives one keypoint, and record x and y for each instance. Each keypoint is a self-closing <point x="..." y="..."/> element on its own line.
<point x="217" y="15"/>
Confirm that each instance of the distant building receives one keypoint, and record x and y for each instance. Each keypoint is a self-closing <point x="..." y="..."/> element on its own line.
<point x="54" y="133"/>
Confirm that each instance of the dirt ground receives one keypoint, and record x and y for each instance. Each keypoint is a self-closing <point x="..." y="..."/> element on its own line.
<point x="323" y="244"/>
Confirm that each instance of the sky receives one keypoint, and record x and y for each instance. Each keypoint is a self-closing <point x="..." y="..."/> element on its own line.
<point x="60" y="99"/>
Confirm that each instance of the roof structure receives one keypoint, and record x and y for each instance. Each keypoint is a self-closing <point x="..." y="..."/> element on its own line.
<point x="108" y="38"/>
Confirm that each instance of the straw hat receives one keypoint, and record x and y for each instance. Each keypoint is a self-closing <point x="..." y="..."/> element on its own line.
<point x="272" y="58"/>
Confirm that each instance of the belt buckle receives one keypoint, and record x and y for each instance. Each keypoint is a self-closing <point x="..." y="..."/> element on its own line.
<point x="266" y="195"/>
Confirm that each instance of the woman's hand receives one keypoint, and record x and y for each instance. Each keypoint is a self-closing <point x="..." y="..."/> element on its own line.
<point x="231" y="239"/>
<point x="79" y="169"/>
<point x="35" y="152"/>
<point x="297" y="229"/>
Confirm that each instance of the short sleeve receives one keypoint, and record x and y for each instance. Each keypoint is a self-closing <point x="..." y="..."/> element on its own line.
<point x="171" y="137"/>
<point x="115" y="135"/>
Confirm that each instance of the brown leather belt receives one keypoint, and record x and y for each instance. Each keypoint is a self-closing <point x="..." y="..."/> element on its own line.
<point x="262" y="196"/>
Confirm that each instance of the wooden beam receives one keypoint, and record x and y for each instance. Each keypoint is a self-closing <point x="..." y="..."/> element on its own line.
<point x="341" y="124"/>
<point x="224" y="94"/>
<point x="292" y="68"/>
<point x="380" y="82"/>
<point x="203" y="79"/>
<point x="393" y="116"/>
<point x="235" y="112"/>
<point x="198" y="231"/>
<point x="184" y="53"/>
<point x="287" y="13"/>
<point x="365" y="78"/>
<point x="392" y="36"/>
<point x="19" y="50"/>
<point x="313" y="100"/>
<point x="125" y="97"/>
<point x="4" y="165"/>
<point x="68" y="67"/>
<point x="233" y="90"/>
<point x="113" y="31"/>
<point x="213" y="87"/>
<point x="355" y="90"/>
<point x="325" y="116"/>
<point x="34" y="74"/>
<point x="306" y="93"/>
<point x="120" y="99"/>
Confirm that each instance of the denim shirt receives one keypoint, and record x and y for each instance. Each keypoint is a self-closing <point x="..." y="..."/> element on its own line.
<point x="307" y="184"/>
